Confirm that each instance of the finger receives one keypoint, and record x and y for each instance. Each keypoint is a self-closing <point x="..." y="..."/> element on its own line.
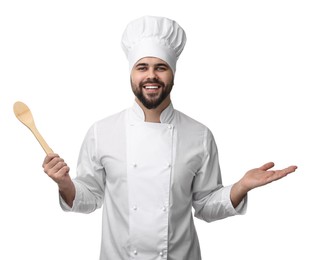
<point x="49" y="168"/>
<point x="278" y="174"/>
<point x="48" y="158"/>
<point x="289" y="169"/>
<point x="60" y="175"/>
<point x="63" y="171"/>
<point x="266" y="166"/>
<point x="60" y="165"/>
<point x="56" y="169"/>
<point x="54" y="162"/>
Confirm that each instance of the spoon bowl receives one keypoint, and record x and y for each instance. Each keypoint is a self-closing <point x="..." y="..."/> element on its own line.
<point x="24" y="115"/>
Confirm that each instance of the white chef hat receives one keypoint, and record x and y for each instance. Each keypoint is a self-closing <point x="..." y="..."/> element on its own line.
<point x="151" y="36"/>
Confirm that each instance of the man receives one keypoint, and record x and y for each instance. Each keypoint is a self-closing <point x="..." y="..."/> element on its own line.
<point x="147" y="166"/>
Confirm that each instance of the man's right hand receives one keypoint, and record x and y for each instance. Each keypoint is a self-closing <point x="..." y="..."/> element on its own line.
<point x="57" y="169"/>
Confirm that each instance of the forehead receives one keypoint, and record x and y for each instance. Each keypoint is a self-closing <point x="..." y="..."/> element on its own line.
<point x="151" y="61"/>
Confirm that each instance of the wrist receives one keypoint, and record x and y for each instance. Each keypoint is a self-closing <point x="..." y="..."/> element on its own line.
<point x="68" y="192"/>
<point x="65" y="185"/>
<point x="241" y="187"/>
<point x="238" y="192"/>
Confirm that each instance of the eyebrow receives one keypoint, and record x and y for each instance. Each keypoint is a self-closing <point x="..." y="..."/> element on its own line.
<point x="141" y="64"/>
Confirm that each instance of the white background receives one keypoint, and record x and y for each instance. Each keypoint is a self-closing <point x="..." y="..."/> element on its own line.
<point x="245" y="73"/>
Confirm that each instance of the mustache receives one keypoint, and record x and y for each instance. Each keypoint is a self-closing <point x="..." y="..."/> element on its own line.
<point x="152" y="81"/>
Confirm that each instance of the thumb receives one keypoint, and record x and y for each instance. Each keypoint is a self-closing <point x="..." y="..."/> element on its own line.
<point x="266" y="166"/>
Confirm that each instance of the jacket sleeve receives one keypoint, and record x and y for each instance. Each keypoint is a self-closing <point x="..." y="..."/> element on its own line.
<point x="90" y="180"/>
<point x="211" y="200"/>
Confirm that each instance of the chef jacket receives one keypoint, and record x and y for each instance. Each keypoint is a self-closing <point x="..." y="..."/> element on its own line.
<point x="147" y="177"/>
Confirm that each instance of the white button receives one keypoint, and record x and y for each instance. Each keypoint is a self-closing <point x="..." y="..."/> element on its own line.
<point x="169" y="165"/>
<point x="170" y="126"/>
<point x="135" y="252"/>
<point x="161" y="254"/>
<point x="135" y="208"/>
<point x="164" y="209"/>
<point x="134" y="165"/>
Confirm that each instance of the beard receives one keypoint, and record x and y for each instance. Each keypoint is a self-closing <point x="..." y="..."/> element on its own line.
<point x="152" y="100"/>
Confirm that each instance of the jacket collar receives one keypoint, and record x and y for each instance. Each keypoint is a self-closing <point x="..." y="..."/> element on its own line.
<point x="137" y="114"/>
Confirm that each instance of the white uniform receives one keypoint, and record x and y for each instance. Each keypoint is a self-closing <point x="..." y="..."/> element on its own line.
<point x="147" y="177"/>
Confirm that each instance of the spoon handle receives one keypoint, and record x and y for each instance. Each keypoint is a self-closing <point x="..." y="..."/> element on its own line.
<point x="40" y="139"/>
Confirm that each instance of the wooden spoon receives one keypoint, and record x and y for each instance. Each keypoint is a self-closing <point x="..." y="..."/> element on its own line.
<point x="23" y="114"/>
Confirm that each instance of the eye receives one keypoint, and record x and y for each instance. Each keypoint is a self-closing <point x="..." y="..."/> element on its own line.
<point x="141" y="68"/>
<point x="161" y="68"/>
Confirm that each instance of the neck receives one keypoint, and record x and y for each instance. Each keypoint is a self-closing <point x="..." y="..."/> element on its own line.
<point x="153" y="115"/>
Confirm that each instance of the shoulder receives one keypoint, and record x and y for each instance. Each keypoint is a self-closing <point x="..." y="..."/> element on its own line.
<point x="112" y="120"/>
<point x="109" y="124"/>
<point x="193" y="130"/>
<point x="186" y="122"/>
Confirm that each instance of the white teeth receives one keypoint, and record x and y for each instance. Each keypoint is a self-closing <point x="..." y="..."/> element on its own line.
<point x="151" y="87"/>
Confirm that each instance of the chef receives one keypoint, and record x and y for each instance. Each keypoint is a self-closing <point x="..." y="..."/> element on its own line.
<point x="150" y="165"/>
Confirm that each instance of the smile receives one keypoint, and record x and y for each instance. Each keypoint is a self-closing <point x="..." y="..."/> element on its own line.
<point x="151" y="87"/>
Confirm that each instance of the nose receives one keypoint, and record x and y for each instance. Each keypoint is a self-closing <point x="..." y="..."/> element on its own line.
<point x="152" y="74"/>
